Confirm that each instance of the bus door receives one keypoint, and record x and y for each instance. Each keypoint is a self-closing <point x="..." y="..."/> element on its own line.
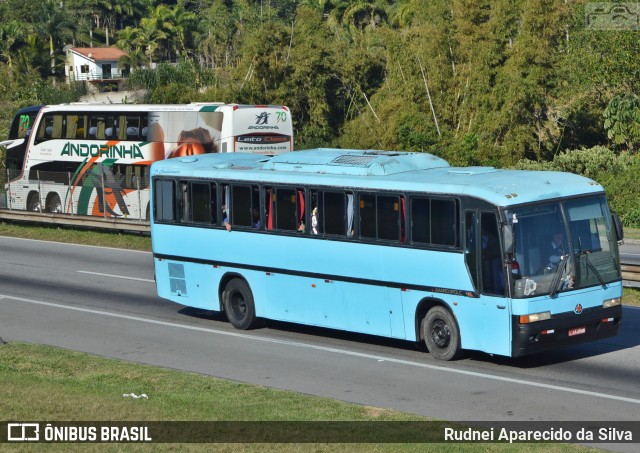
<point x="491" y="313"/>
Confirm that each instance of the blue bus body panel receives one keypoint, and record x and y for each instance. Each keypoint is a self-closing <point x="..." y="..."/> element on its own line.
<point x="341" y="285"/>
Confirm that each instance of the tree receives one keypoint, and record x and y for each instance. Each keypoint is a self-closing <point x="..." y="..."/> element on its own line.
<point x="622" y="120"/>
<point x="55" y="25"/>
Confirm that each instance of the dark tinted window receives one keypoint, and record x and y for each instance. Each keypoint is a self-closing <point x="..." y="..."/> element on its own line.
<point x="163" y="200"/>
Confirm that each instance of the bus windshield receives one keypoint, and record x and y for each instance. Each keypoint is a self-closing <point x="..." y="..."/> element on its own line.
<point x="561" y="246"/>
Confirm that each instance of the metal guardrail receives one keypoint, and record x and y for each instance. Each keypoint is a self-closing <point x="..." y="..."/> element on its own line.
<point x="93" y="222"/>
<point x="630" y="275"/>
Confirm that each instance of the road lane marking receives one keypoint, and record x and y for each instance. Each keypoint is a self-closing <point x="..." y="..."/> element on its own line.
<point x="330" y="350"/>
<point x="75" y="245"/>
<point x="117" y="276"/>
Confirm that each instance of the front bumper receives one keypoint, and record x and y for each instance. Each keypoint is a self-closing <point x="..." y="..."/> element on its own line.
<point x="537" y="336"/>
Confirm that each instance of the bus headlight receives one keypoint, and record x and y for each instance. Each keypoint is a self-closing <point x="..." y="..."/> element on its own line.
<point x="612" y="302"/>
<point x="535" y="317"/>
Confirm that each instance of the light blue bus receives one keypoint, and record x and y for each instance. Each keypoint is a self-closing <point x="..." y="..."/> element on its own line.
<point x="395" y="244"/>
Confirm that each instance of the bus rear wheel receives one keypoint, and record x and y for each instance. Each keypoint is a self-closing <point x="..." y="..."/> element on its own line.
<point x="238" y="304"/>
<point x="55" y="206"/>
<point x="441" y="334"/>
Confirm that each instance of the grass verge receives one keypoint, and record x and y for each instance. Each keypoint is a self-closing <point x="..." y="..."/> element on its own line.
<point x="54" y="233"/>
<point x="43" y="383"/>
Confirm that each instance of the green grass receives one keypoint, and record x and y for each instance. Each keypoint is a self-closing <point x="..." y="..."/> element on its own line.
<point x="130" y="241"/>
<point x="632" y="233"/>
<point x="50" y="384"/>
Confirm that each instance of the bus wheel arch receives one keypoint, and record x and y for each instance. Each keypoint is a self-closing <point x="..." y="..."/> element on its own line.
<point x="53" y="203"/>
<point x="437" y="327"/>
<point x="238" y="302"/>
<point x="33" y="201"/>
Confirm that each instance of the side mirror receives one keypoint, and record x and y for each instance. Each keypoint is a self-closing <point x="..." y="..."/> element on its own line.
<point x="618" y="226"/>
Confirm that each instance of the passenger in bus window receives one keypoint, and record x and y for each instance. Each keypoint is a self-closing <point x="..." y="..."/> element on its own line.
<point x="256" y="219"/>
<point x="302" y="228"/>
<point x="315" y="217"/>
<point x="225" y="218"/>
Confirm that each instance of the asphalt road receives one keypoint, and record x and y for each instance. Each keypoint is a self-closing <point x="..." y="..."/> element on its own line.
<point x="102" y="301"/>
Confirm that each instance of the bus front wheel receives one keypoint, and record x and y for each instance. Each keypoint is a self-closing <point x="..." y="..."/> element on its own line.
<point x="238" y="304"/>
<point x="33" y="203"/>
<point x="441" y="333"/>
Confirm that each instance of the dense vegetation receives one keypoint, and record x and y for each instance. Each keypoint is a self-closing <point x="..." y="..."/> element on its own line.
<point x="510" y="83"/>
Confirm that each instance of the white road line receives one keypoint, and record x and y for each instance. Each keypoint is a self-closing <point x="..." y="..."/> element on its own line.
<point x="331" y="350"/>
<point x="75" y="245"/>
<point x="117" y="276"/>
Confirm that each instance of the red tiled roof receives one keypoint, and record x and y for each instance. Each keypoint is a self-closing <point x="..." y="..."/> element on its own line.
<point x="99" y="53"/>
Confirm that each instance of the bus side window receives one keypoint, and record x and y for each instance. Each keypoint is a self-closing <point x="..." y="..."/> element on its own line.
<point x="163" y="202"/>
<point x="201" y="200"/>
<point x="388" y="217"/>
<point x="471" y="249"/>
<point x="492" y="271"/>
<point x="71" y="126"/>
<point x="285" y="201"/>
<point x="45" y="129"/>
<point x="56" y="132"/>
<point x="367" y="215"/>
<point x="333" y="213"/>
<point x="444" y="222"/>
<point x="420" y="223"/>
<point x="241" y="212"/>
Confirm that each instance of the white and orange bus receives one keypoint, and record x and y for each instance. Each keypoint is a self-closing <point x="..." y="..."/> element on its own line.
<point x="93" y="159"/>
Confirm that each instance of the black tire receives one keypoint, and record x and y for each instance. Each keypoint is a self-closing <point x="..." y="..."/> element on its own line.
<point x="55" y="206"/>
<point x="33" y="204"/>
<point x="238" y="305"/>
<point x="441" y="334"/>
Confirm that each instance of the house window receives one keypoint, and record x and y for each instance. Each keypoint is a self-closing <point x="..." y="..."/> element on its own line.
<point x="84" y="69"/>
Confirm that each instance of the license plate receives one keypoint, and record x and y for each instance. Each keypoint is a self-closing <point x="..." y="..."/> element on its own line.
<point x="577" y="331"/>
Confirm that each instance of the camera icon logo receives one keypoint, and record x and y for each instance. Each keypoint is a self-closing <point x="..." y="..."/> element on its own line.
<point x="23" y="432"/>
<point x="612" y="16"/>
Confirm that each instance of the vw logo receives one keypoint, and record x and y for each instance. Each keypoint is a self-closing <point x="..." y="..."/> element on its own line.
<point x="578" y="309"/>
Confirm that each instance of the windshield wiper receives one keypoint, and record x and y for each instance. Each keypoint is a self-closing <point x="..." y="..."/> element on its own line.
<point x="591" y="266"/>
<point x="557" y="277"/>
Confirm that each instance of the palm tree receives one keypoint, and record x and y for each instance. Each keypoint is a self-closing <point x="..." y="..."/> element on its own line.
<point x="55" y="25"/>
<point x="11" y="33"/>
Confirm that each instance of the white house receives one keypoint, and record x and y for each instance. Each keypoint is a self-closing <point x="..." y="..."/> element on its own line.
<point x="96" y="65"/>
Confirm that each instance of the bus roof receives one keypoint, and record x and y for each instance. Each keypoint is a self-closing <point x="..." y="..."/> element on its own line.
<point x="383" y="170"/>
<point x="193" y="107"/>
<point x="83" y="107"/>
